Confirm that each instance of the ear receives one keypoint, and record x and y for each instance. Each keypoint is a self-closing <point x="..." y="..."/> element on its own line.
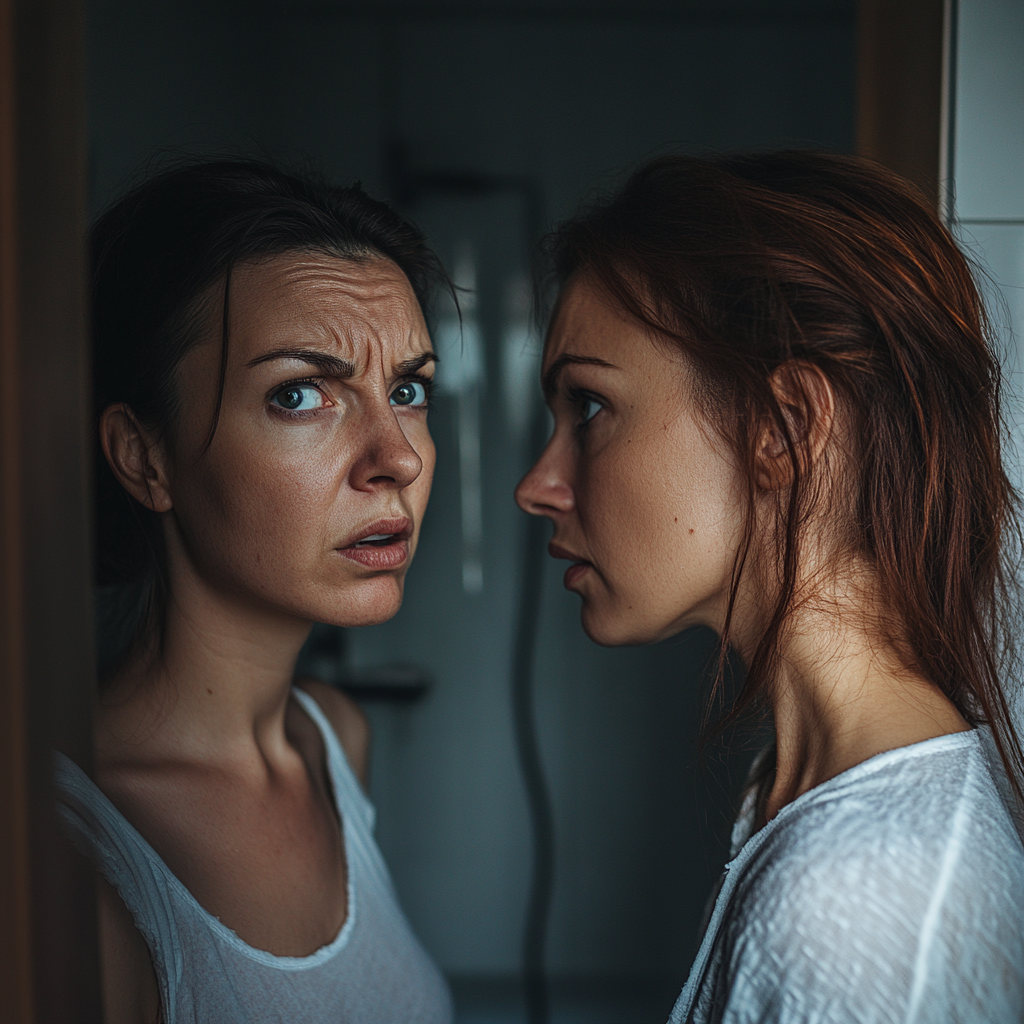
<point x="808" y="407"/>
<point x="135" y="457"/>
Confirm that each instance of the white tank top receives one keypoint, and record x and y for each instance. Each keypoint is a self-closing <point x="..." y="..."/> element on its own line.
<point x="374" y="971"/>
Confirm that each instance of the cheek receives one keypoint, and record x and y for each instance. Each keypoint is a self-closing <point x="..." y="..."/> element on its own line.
<point x="245" y="510"/>
<point x="662" y="520"/>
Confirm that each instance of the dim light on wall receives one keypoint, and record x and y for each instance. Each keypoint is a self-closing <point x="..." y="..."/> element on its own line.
<point x="461" y="375"/>
<point x="520" y="355"/>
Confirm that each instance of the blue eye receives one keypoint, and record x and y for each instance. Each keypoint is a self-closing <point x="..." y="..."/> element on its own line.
<point x="411" y="394"/>
<point x="299" y="398"/>
<point x="590" y="409"/>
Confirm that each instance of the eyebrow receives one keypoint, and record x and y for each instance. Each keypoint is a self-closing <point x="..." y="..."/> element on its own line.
<point x="412" y="365"/>
<point x="332" y="366"/>
<point x="550" y="380"/>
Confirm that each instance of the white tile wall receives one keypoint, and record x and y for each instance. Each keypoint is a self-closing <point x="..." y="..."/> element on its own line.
<point x="989" y="110"/>
<point x="988" y="171"/>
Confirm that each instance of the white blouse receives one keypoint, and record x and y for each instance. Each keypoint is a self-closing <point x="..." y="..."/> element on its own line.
<point x="894" y="892"/>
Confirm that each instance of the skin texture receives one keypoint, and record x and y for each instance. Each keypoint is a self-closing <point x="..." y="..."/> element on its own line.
<point x="201" y="747"/>
<point x="656" y="546"/>
<point x="648" y="503"/>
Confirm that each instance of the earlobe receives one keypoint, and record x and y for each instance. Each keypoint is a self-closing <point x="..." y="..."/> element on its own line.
<point x="134" y="457"/>
<point x="774" y="468"/>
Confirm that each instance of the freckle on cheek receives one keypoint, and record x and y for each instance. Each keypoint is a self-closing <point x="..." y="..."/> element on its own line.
<point x="691" y="529"/>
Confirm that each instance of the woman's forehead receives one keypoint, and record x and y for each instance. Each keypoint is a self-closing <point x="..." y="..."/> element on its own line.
<point x="344" y="304"/>
<point x="312" y="279"/>
<point x="587" y="321"/>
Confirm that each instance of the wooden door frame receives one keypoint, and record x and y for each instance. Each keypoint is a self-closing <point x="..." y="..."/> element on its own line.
<point x="904" y="68"/>
<point x="49" y="968"/>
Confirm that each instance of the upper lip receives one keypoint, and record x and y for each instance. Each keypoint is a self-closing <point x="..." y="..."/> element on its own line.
<point x="400" y="529"/>
<point x="557" y="551"/>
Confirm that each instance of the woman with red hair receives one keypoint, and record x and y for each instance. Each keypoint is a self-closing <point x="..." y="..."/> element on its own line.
<point x="777" y="413"/>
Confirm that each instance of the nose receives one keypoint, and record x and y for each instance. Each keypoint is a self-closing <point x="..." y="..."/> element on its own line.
<point x="545" y="491"/>
<point x="387" y="458"/>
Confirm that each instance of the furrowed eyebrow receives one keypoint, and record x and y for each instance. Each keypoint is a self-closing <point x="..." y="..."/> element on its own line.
<point x="412" y="365"/>
<point x="328" y="365"/>
<point x="332" y="366"/>
<point x="550" y="380"/>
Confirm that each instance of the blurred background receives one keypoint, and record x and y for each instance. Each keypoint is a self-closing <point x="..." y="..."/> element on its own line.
<point x="487" y="122"/>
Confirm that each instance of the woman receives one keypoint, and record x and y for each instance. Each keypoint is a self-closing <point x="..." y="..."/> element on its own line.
<point x="261" y="380"/>
<point x="777" y="413"/>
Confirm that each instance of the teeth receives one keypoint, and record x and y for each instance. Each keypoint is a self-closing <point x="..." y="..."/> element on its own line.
<point x="375" y="539"/>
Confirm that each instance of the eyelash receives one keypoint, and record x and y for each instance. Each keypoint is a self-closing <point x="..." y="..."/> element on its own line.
<point x="302" y="382"/>
<point x="318" y="383"/>
<point x="581" y="399"/>
<point x="428" y="386"/>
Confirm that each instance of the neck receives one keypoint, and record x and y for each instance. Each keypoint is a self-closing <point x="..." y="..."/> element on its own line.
<point x="843" y="694"/>
<point x="218" y="687"/>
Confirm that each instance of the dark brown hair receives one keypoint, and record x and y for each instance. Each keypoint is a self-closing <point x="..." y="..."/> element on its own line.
<point x="156" y="252"/>
<point x="749" y="262"/>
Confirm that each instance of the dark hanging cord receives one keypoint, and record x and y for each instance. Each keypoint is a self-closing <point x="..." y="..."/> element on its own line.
<point x="408" y="185"/>
<point x="538" y="908"/>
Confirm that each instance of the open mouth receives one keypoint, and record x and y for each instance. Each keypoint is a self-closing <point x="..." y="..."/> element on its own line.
<point x="378" y="540"/>
<point x="576" y="571"/>
<point x="557" y="551"/>
<point x="382" y="545"/>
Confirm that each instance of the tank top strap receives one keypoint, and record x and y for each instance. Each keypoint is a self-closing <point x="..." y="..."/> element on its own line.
<point x="348" y="792"/>
<point x="102" y="834"/>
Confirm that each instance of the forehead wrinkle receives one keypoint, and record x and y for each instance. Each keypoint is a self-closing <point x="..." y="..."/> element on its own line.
<point x="346" y="326"/>
<point x="357" y="343"/>
<point x="392" y="292"/>
<point x="367" y="280"/>
<point x="344" y="306"/>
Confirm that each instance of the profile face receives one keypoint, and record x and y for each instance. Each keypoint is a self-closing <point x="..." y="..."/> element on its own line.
<point x="645" y="498"/>
<point x="310" y="498"/>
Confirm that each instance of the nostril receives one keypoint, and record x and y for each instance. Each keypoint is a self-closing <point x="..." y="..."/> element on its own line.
<point x="524" y="499"/>
<point x="544" y="498"/>
<point x="387" y="462"/>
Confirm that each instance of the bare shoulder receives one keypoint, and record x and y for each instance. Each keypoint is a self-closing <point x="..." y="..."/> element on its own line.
<point x="130" y="991"/>
<point x="348" y="721"/>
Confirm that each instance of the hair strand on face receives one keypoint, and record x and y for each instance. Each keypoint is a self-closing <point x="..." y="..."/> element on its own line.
<point x="755" y="265"/>
<point x="161" y="254"/>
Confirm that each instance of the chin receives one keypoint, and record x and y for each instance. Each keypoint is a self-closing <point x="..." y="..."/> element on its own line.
<point x="612" y="627"/>
<point x="368" y="603"/>
<point x="604" y="627"/>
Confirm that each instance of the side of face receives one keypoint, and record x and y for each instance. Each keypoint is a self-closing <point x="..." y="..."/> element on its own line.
<point x="646" y="501"/>
<point x="310" y="498"/>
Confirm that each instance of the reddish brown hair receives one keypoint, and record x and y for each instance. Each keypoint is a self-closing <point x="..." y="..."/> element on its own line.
<point x="748" y="262"/>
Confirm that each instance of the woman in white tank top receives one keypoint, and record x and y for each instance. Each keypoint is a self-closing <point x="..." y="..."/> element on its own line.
<point x="262" y="379"/>
<point x="777" y="413"/>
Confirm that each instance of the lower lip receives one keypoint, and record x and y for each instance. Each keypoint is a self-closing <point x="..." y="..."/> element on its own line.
<point x="388" y="556"/>
<point x="574" y="574"/>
